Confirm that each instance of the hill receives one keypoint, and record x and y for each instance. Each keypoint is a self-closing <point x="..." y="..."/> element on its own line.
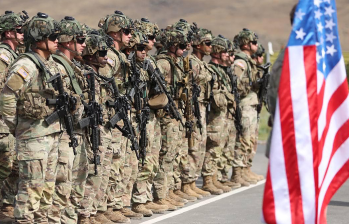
<point x="268" y="18"/>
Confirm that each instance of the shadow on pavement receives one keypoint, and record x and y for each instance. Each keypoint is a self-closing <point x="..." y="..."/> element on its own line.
<point x="339" y="203"/>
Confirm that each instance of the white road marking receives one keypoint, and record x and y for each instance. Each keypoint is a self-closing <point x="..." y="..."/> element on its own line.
<point x="197" y="205"/>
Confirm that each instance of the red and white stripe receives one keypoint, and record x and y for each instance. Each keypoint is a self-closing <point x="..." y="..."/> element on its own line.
<point x="309" y="144"/>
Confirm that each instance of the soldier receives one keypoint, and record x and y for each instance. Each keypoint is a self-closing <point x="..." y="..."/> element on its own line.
<point x="23" y="108"/>
<point x="246" y="70"/>
<point x="142" y="200"/>
<point x="165" y="191"/>
<point x="71" y="169"/>
<point x="217" y="130"/>
<point x="11" y="37"/>
<point x="119" y="28"/>
<point x="203" y="77"/>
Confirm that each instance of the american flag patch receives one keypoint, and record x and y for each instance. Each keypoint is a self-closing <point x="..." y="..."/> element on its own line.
<point x="110" y="62"/>
<point x="22" y="72"/>
<point x="5" y="58"/>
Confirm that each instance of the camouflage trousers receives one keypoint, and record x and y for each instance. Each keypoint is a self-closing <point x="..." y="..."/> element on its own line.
<point x="228" y="159"/>
<point x="115" y="188"/>
<point x="8" y="168"/>
<point x="70" y="181"/>
<point x="247" y="140"/>
<point x="37" y="162"/>
<point x="254" y="149"/>
<point x="146" y="177"/>
<point x="94" y="193"/>
<point x="171" y="142"/>
<point x="196" y="154"/>
<point x="181" y="163"/>
<point x="217" y="138"/>
<point x="130" y="173"/>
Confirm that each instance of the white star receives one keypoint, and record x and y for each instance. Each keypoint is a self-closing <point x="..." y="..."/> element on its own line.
<point x="320" y="27"/>
<point x="322" y="40"/>
<point x="328" y="1"/>
<point x="317" y="3"/>
<point x="317" y="44"/>
<point x="323" y="53"/>
<point x="329" y="24"/>
<point x="300" y="34"/>
<point x="329" y="11"/>
<point x="318" y="57"/>
<point x="331" y="50"/>
<point x="299" y="14"/>
<point x="318" y="14"/>
<point x="324" y="66"/>
<point x="330" y="37"/>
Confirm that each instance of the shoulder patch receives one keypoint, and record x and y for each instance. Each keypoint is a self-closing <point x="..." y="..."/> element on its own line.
<point x="240" y="64"/>
<point x="4" y="58"/>
<point x="22" y="71"/>
<point x="110" y="62"/>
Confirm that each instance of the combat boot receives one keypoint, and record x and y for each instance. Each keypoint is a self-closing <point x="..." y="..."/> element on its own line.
<point x="198" y="190"/>
<point x="176" y="197"/>
<point x="236" y="177"/>
<point x="92" y="220"/>
<point x="170" y="207"/>
<point x="185" y="196"/>
<point x="246" y="176"/>
<point x="187" y="189"/>
<point x="208" y="186"/>
<point x="140" y="208"/>
<point x="131" y="214"/>
<point x="116" y="216"/>
<point x="231" y="184"/>
<point x="175" y="203"/>
<point x="219" y="185"/>
<point x="8" y="210"/>
<point x="156" y="208"/>
<point x="102" y="219"/>
<point x="84" y="220"/>
<point x="253" y="174"/>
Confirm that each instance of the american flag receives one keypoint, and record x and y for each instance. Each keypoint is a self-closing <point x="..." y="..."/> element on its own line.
<point x="309" y="157"/>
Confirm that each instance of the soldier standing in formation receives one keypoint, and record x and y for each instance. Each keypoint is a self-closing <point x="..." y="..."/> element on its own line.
<point x="105" y="132"/>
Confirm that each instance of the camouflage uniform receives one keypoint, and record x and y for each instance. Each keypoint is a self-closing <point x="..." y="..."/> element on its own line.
<point x="8" y="167"/>
<point x="37" y="143"/>
<point x="246" y="71"/>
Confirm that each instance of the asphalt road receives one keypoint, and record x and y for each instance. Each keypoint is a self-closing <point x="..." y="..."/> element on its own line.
<point x="241" y="206"/>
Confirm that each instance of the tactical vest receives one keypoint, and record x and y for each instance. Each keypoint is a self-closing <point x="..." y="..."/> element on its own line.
<point x="122" y="62"/>
<point x="32" y="104"/>
<point x="4" y="74"/>
<point x="69" y="68"/>
<point x="244" y="57"/>
<point x="7" y="47"/>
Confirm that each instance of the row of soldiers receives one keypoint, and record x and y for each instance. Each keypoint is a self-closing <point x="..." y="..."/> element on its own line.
<point x="94" y="129"/>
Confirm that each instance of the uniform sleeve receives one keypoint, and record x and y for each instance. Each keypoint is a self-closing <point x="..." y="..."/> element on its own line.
<point x="18" y="81"/>
<point x="165" y="68"/>
<point x="243" y="82"/>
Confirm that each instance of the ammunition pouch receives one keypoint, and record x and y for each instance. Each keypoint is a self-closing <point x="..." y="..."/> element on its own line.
<point x="220" y="100"/>
<point x="33" y="106"/>
<point x="158" y="101"/>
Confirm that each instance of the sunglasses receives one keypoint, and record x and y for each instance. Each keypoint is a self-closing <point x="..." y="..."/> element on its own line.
<point x="182" y="46"/>
<point x="207" y="43"/>
<point x="141" y="48"/>
<point x="231" y="54"/>
<point x="53" y="37"/>
<point x="19" y="31"/>
<point x="151" y="37"/>
<point x="126" y="31"/>
<point x="102" y="54"/>
<point x="254" y="42"/>
<point x="80" y="40"/>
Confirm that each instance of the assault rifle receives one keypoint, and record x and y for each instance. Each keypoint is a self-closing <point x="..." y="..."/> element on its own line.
<point x="262" y="92"/>
<point x="196" y="90"/>
<point x="140" y="101"/>
<point x="208" y="107"/>
<point x="234" y="91"/>
<point x="94" y="118"/>
<point x="121" y="107"/>
<point x="160" y="87"/>
<point x="64" y="104"/>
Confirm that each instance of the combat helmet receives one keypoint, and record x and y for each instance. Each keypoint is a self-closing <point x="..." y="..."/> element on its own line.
<point x="138" y="38"/>
<point x="69" y="29"/>
<point x="39" y="28"/>
<point x="189" y="29"/>
<point x="115" y="22"/>
<point x="174" y="37"/>
<point x="10" y="20"/>
<point x="146" y="27"/>
<point x="94" y="42"/>
<point x="202" y="35"/>
<point x="245" y="37"/>
<point x="259" y="53"/>
<point x="220" y="44"/>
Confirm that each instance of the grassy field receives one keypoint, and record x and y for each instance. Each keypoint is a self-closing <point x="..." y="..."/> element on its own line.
<point x="264" y="129"/>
